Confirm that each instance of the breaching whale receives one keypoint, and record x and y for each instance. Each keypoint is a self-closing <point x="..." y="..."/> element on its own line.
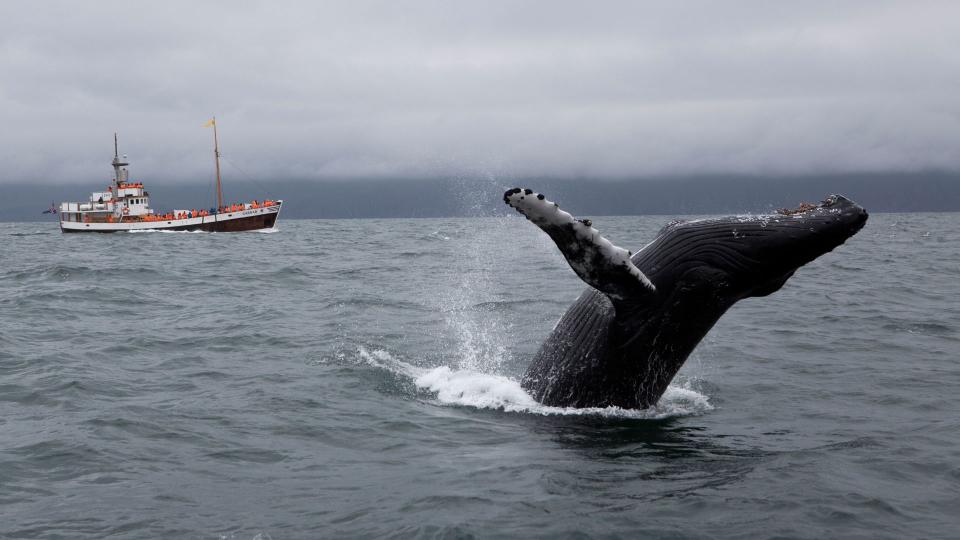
<point x="622" y="342"/>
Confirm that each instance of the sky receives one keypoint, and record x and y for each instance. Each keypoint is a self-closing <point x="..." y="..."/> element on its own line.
<point x="485" y="89"/>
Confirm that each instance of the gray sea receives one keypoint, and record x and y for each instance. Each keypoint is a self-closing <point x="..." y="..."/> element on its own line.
<point x="358" y="378"/>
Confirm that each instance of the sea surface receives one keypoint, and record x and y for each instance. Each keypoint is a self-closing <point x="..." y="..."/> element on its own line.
<point x="359" y="378"/>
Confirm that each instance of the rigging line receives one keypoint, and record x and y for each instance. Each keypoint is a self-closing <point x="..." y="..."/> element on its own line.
<point x="243" y="172"/>
<point x="185" y="157"/>
<point x="206" y="197"/>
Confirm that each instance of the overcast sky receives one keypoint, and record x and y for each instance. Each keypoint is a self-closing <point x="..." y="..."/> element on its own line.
<point x="478" y="89"/>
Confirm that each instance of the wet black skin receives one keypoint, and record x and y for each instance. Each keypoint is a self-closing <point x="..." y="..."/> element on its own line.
<point x="624" y="352"/>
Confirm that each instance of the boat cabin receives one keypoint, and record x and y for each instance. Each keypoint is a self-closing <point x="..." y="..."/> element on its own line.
<point x="122" y="200"/>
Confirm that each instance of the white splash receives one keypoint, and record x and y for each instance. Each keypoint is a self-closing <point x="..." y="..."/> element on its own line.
<point x="461" y="387"/>
<point x="478" y="333"/>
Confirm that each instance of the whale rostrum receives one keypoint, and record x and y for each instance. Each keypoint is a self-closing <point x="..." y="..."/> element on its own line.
<point x="624" y="339"/>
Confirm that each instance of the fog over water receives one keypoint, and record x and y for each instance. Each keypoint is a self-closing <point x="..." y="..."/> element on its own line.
<point x="471" y="197"/>
<point x="356" y="90"/>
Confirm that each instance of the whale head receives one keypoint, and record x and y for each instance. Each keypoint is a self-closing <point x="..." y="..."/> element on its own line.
<point x="755" y="255"/>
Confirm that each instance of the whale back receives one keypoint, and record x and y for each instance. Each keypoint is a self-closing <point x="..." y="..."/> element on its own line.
<point x="624" y="352"/>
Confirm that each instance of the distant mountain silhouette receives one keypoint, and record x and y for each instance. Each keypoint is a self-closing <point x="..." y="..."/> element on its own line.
<point x="721" y="194"/>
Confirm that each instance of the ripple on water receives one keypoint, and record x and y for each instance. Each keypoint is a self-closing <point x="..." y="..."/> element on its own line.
<point x="210" y="385"/>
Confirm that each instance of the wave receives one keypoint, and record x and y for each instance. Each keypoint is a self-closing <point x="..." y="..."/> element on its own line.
<point x="64" y="272"/>
<point x="436" y="235"/>
<point x="506" y="305"/>
<point x="462" y="387"/>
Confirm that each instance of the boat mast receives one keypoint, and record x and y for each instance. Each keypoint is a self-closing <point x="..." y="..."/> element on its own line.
<point x="118" y="172"/>
<point x="216" y="155"/>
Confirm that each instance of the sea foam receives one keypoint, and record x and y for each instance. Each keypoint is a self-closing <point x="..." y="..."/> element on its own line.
<point x="466" y="388"/>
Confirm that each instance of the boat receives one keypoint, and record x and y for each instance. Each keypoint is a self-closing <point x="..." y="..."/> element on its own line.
<point x="125" y="206"/>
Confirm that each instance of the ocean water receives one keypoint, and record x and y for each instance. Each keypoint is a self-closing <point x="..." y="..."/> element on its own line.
<point x="358" y="378"/>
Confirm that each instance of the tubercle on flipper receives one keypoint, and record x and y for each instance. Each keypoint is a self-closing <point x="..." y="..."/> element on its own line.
<point x="546" y="214"/>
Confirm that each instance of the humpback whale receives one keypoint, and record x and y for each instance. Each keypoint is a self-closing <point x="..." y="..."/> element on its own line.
<point x="624" y="339"/>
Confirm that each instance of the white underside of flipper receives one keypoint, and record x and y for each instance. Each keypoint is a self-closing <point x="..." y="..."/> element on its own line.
<point x="595" y="259"/>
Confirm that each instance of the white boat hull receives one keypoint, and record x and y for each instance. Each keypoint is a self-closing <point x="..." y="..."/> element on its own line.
<point x="243" y="220"/>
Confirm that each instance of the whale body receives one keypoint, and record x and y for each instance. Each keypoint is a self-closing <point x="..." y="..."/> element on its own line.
<point x="624" y="339"/>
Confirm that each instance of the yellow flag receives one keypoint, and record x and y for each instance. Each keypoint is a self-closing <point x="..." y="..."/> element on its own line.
<point x="211" y="123"/>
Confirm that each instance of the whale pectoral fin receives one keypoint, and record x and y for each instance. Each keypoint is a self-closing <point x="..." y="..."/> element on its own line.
<point x="595" y="259"/>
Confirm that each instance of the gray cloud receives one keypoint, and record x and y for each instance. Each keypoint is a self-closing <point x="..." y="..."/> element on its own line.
<point x="401" y="89"/>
